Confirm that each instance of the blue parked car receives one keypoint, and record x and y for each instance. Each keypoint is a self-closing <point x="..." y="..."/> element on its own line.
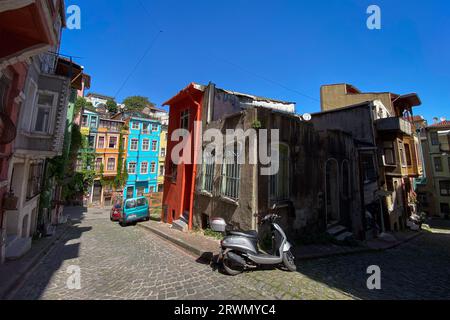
<point x="134" y="211"/>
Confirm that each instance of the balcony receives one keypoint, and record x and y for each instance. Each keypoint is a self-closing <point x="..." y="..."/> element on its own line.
<point x="28" y="28"/>
<point x="394" y="124"/>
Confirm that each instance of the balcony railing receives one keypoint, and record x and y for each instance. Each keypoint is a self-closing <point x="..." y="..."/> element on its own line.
<point x="394" y="124"/>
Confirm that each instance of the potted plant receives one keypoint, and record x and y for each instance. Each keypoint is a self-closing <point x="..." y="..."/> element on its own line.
<point x="10" y="201"/>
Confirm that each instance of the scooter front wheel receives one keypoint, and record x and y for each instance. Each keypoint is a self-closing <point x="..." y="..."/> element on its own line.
<point x="230" y="267"/>
<point x="289" y="261"/>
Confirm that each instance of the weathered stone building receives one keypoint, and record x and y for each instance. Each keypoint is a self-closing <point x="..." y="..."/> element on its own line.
<point x="316" y="187"/>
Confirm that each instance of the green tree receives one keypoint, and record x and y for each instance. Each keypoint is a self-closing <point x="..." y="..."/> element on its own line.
<point x="137" y="103"/>
<point x="122" y="174"/>
<point x="83" y="104"/>
<point x="111" y="105"/>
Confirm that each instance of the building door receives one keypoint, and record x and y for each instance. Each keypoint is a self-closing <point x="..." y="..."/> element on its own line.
<point x="332" y="192"/>
<point x="97" y="192"/>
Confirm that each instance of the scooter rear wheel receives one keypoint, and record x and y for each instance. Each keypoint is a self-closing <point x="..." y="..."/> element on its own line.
<point x="231" y="268"/>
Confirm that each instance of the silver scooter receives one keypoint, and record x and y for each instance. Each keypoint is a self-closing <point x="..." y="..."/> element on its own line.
<point x="240" y="250"/>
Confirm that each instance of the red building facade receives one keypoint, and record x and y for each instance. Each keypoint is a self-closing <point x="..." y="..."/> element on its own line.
<point x="185" y="113"/>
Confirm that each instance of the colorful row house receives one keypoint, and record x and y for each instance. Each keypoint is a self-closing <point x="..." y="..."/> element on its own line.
<point x="142" y="154"/>
<point x="162" y="157"/>
<point x="110" y="159"/>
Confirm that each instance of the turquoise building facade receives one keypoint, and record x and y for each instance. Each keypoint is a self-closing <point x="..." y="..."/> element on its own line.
<point x="142" y="156"/>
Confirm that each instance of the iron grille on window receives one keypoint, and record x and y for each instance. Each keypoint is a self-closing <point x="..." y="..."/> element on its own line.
<point x="231" y="175"/>
<point x="279" y="182"/>
<point x="208" y="172"/>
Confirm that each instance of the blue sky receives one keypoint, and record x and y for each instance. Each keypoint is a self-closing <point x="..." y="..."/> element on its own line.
<point x="279" y="49"/>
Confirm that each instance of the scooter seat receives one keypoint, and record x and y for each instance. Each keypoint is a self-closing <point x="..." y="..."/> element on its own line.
<point x="247" y="234"/>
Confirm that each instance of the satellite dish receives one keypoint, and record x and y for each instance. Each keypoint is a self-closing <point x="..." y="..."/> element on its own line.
<point x="7" y="129"/>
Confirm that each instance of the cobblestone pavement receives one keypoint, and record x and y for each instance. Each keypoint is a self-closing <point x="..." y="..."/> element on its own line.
<point x="131" y="263"/>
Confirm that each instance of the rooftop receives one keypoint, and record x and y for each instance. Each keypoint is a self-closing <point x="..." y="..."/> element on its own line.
<point x="442" y="124"/>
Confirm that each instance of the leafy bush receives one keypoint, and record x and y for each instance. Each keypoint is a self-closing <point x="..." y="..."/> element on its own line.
<point x="213" y="234"/>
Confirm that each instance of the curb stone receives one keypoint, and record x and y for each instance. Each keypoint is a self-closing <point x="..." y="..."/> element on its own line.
<point x="201" y="253"/>
<point x="193" y="249"/>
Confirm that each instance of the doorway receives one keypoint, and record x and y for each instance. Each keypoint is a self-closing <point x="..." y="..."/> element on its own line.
<point x="332" y="192"/>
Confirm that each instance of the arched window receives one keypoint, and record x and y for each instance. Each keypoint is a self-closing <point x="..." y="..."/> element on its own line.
<point x="280" y="182"/>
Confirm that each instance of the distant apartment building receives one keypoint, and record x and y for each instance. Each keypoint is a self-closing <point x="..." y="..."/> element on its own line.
<point x="434" y="190"/>
<point x="89" y="122"/>
<point x="142" y="153"/>
<point x="110" y="158"/>
<point x="162" y="157"/>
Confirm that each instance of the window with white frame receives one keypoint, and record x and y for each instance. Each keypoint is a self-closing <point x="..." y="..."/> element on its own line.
<point x="153" y="167"/>
<point x="145" y="144"/>
<point x="98" y="164"/>
<point x="135" y="125"/>
<point x="154" y="127"/>
<point x="208" y="172"/>
<point x="184" y="120"/>
<point x="279" y="182"/>
<point x="132" y="168"/>
<point x="111" y="164"/>
<point x="161" y="170"/>
<point x="144" y="167"/>
<point x="231" y="174"/>
<point x="113" y="143"/>
<point x="93" y="122"/>
<point x="101" y="142"/>
<point x="154" y="145"/>
<point x="163" y="152"/>
<point x="134" y="144"/>
<point x="44" y="110"/>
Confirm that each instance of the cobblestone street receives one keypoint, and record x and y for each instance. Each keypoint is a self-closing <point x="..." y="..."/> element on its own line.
<point x="131" y="263"/>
